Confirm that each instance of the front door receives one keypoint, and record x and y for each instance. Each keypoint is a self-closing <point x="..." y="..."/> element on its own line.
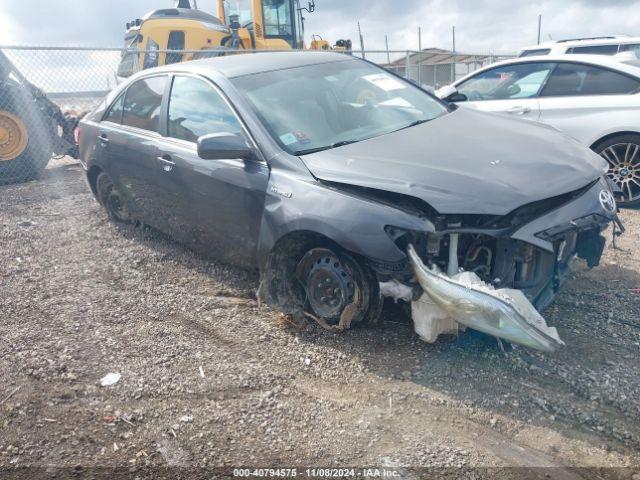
<point x="510" y="89"/>
<point x="215" y="204"/>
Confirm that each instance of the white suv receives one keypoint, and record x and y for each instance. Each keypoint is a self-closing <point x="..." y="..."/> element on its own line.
<point x="593" y="98"/>
<point x="612" y="45"/>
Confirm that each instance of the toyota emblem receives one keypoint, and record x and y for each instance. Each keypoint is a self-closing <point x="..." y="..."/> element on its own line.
<point x="608" y="201"/>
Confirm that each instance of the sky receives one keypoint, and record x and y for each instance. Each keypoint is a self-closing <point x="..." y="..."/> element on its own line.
<point x="489" y="26"/>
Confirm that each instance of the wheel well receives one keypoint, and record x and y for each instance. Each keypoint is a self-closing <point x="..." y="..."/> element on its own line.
<point x="610" y="136"/>
<point x="92" y="176"/>
<point x="278" y="286"/>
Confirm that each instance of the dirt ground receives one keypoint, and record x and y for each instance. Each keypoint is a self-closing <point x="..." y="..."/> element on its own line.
<point x="211" y="380"/>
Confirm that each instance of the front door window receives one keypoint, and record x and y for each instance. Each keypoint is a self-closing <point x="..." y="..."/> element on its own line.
<point x="507" y="82"/>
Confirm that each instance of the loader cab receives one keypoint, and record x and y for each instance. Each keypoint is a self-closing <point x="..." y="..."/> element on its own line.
<point x="265" y="24"/>
<point x="148" y="39"/>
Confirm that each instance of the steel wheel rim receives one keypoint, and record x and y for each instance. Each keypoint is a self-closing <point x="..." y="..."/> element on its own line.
<point x="329" y="286"/>
<point x="624" y="168"/>
<point x="114" y="204"/>
<point x="13" y="136"/>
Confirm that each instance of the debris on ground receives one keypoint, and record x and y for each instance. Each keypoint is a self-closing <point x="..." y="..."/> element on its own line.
<point x="110" y="379"/>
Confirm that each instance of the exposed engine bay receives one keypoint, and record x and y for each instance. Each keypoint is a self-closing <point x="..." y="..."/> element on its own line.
<point x="489" y="284"/>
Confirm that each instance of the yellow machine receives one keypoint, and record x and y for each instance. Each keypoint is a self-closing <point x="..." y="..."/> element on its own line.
<point x="241" y="24"/>
<point x="272" y="24"/>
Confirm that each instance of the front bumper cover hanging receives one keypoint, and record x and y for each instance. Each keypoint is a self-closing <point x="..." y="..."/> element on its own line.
<point x="504" y="313"/>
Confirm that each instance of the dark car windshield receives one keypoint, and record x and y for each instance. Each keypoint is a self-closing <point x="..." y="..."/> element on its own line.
<point x="322" y="106"/>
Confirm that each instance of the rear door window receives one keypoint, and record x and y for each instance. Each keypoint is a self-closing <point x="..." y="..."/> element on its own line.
<point x="533" y="53"/>
<point x="631" y="47"/>
<point x="595" y="50"/>
<point x="196" y="108"/>
<point x="571" y="79"/>
<point x="142" y="103"/>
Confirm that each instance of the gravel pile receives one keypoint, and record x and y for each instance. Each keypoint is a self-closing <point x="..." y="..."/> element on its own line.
<point x="210" y="379"/>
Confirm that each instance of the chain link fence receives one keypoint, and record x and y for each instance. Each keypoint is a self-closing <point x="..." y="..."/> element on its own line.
<point x="44" y="91"/>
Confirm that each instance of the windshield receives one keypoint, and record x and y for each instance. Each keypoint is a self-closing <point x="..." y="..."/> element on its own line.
<point x="322" y="106"/>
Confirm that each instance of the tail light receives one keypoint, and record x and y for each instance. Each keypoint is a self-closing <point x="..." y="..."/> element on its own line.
<point x="77" y="133"/>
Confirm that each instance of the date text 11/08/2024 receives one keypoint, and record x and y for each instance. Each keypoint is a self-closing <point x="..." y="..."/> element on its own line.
<point x="316" y="472"/>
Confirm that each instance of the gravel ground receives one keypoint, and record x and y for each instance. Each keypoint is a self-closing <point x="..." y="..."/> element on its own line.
<point x="211" y="379"/>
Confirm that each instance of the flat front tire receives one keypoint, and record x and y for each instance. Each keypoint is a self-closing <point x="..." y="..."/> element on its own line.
<point x="337" y="285"/>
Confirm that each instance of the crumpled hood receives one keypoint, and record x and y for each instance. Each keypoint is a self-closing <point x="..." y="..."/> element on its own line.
<point x="465" y="162"/>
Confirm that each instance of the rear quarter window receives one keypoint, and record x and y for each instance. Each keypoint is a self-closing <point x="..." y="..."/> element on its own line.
<point x="114" y="114"/>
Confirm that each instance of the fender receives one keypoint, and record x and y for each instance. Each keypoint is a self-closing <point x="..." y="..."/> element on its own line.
<point x="293" y="205"/>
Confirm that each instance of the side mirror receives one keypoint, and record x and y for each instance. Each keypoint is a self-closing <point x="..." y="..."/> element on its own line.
<point x="446" y="91"/>
<point x="450" y="93"/>
<point x="457" y="97"/>
<point x="222" y="146"/>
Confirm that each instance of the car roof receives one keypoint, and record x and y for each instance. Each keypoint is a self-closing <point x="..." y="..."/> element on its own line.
<point x="610" y="62"/>
<point x="251" y="63"/>
<point x="608" y="40"/>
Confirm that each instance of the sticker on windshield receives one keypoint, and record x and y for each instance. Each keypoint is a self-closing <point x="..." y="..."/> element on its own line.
<point x="384" y="82"/>
<point x="396" y="102"/>
<point x="288" y="138"/>
<point x="301" y="137"/>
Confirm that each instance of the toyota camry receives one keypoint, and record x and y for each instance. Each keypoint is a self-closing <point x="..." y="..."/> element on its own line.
<point x="344" y="184"/>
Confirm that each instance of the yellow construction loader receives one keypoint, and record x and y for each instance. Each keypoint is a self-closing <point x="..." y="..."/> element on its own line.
<point x="161" y="35"/>
<point x="32" y="127"/>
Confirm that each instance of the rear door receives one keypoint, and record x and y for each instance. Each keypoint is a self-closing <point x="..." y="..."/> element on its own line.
<point x="586" y="100"/>
<point x="215" y="204"/>
<point x="510" y="89"/>
<point x="129" y="146"/>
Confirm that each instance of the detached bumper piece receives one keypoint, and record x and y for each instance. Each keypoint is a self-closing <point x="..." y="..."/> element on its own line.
<point x="465" y="299"/>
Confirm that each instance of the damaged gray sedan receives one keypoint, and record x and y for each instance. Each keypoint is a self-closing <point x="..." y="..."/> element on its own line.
<point x="344" y="183"/>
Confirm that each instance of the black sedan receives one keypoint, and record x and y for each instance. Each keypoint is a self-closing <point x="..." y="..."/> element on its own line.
<point x="344" y="183"/>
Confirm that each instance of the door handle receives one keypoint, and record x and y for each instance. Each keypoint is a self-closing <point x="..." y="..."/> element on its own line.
<point x="103" y="138"/>
<point x="518" y="110"/>
<point x="166" y="163"/>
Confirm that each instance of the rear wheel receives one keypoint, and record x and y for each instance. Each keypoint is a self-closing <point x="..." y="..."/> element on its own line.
<point x="622" y="153"/>
<point x="339" y="290"/>
<point x="111" y="199"/>
<point x="25" y="138"/>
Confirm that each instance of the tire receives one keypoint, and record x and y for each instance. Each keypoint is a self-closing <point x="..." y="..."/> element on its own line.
<point x="111" y="199"/>
<point x="333" y="281"/>
<point x="23" y="162"/>
<point x="622" y="152"/>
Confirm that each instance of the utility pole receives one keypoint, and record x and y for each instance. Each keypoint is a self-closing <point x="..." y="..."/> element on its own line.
<point x="386" y="42"/>
<point x="453" y="51"/>
<point x="361" y="40"/>
<point x="453" y="37"/>
<point x="539" y="27"/>
<point x="419" y="55"/>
